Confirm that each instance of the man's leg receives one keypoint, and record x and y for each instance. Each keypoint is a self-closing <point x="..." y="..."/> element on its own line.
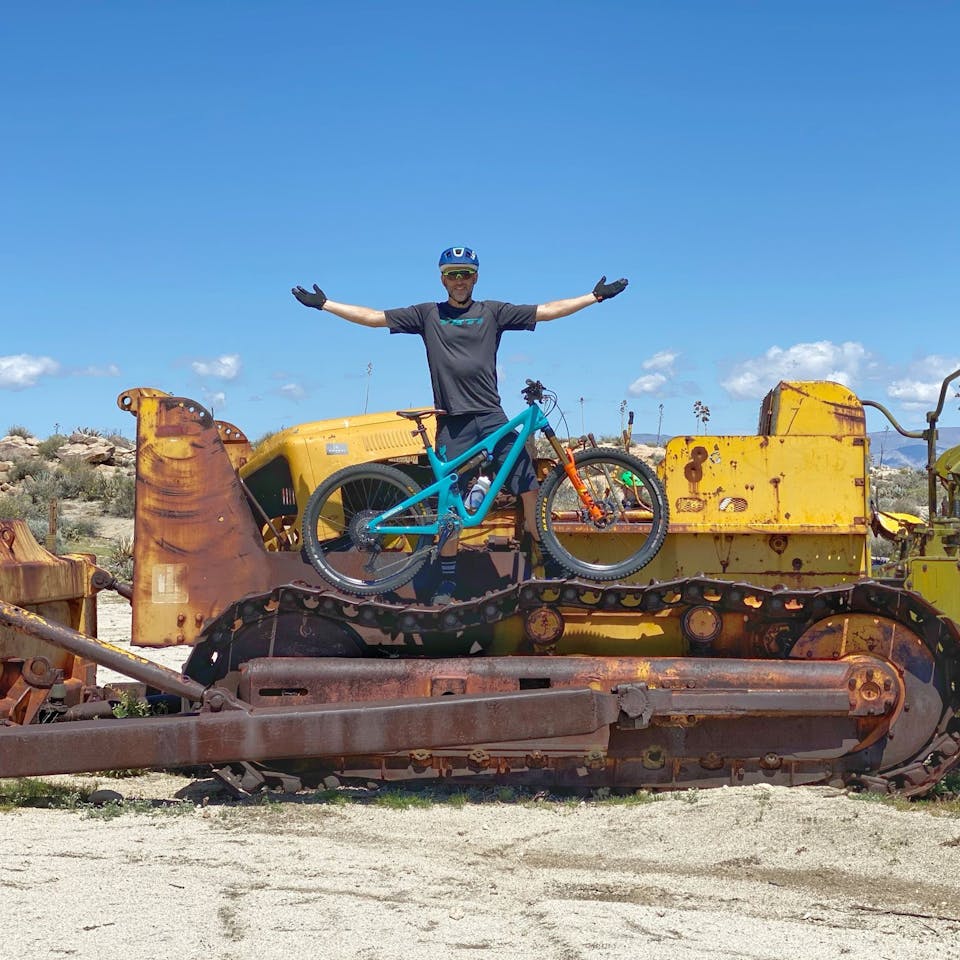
<point x="454" y="435"/>
<point x="448" y="572"/>
<point x="551" y="569"/>
<point x="528" y="499"/>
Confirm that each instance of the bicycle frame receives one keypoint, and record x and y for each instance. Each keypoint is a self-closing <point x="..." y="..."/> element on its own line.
<point x="446" y="487"/>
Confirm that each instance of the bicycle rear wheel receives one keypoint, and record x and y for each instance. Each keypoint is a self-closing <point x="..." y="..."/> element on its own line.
<point x="335" y="535"/>
<point x="634" y="521"/>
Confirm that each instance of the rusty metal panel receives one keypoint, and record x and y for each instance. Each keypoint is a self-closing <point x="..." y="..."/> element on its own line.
<point x="59" y="589"/>
<point x="64" y="638"/>
<point x="197" y="546"/>
<point x="767" y="484"/>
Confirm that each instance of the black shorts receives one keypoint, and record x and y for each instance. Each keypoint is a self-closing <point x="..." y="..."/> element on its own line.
<point x="461" y="431"/>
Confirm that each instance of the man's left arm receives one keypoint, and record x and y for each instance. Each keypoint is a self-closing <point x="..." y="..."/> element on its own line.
<point x="563" y="308"/>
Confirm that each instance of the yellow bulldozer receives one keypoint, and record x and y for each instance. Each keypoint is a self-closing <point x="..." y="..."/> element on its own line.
<point x="759" y="644"/>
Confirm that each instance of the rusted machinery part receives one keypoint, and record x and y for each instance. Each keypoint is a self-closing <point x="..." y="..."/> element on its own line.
<point x="230" y="433"/>
<point x="846" y="620"/>
<point x="292" y="633"/>
<point x="104" y="580"/>
<point x="129" y="400"/>
<point x="823" y="700"/>
<point x="683" y="721"/>
<point x="100" y="652"/>
<point x="221" y="733"/>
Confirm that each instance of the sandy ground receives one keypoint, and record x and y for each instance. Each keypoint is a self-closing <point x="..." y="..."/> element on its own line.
<point x="759" y="873"/>
<point x="749" y="872"/>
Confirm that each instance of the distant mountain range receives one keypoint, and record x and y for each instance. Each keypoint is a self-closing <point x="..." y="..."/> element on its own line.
<point x="886" y="446"/>
<point x="892" y="450"/>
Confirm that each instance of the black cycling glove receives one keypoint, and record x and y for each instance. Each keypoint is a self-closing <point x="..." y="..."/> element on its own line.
<point x="316" y="299"/>
<point x="604" y="290"/>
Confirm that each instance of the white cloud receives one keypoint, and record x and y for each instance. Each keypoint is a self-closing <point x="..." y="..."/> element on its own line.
<point x="650" y="383"/>
<point x="110" y="370"/>
<point x="19" y="371"/>
<point x="226" y="367"/>
<point x="663" y="360"/>
<point x="920" y="388"/>
<point x="910" y="392"/>
<point x="293" y="390"/>
<point x="823" y="360"/>
<point x="662" y="365"/>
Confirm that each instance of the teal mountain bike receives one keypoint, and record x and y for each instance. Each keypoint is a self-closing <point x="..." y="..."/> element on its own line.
<point x="369" y="528"/>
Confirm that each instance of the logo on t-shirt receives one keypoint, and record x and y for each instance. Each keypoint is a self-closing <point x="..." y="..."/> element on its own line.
<point x="461" y="321"/>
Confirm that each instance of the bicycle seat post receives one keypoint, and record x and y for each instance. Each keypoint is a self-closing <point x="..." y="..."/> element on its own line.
<point x="418" y="417"/>
<point x="422" y="430"/>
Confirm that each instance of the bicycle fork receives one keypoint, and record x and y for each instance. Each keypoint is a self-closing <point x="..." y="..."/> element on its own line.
<point x="565" y="456"/>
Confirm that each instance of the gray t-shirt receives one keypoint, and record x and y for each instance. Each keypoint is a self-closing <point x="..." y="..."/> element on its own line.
<point x="462" y="347"/>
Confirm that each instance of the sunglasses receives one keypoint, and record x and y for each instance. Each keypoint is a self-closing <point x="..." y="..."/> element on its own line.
<point x="459" y="274"/>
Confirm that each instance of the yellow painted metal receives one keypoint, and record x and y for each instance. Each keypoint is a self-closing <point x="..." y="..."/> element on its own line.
<point x="773" y="484"/>
<point x="595" y="633"/>
<point x="312" y="451"/>
<point x="937" y="579"/>
<point x="787" y="509"/>
<point x="789" y="505"/>
<point x="811" y="408"/>
<point x="891" y="525"/>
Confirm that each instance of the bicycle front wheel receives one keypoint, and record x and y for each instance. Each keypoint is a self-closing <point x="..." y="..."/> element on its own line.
<point x="336" y="539"/>
<point x="631" y="524"/>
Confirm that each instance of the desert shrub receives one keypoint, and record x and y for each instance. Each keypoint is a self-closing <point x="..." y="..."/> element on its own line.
<point x="903" y="490"/>
<point x="120" y="560"/>
<point x="48" y="448"/>
<point x="17" y="431"/>
<point x="39" y="526"/>
<point x="76" y="528"/>
<point x="41" y="487"/>
<point x="118" y="495"/>
<point x="77" y="480"/>
<point x="16" y="505"/>
<point x="25" y="467"/>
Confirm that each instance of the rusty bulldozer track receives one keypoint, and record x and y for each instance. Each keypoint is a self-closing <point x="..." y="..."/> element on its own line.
<point x="905" y="668"/>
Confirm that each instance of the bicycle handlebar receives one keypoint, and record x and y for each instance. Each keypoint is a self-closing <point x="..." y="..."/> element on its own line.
<point x="533" y="391"/>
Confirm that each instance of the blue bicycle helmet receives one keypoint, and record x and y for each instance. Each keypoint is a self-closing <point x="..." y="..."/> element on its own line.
<point x="459" y="256"/>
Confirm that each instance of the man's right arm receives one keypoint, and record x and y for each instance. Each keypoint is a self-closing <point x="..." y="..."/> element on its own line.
<point x="365" y="316"/>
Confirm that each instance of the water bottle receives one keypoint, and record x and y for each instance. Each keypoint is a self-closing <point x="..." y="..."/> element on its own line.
<point x="476" y="493"/>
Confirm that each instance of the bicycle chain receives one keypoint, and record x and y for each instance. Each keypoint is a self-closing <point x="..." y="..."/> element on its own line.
<point x="776" y="616"/>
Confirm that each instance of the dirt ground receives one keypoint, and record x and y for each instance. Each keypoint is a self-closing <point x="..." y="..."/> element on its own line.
<point x="755" y="872"/>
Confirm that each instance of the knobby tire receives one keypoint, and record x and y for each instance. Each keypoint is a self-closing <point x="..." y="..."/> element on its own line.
<point x="637" y="515"/>
<point x="333" y="530"/>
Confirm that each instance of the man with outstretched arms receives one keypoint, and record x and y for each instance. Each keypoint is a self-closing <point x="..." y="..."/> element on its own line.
<point x="461" y="336"/>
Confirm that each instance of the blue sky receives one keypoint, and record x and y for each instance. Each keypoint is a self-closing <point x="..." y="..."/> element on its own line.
<point x="778" y="181"/>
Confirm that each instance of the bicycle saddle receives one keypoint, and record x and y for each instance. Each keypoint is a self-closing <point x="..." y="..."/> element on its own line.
<point x="417" y="414"/>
